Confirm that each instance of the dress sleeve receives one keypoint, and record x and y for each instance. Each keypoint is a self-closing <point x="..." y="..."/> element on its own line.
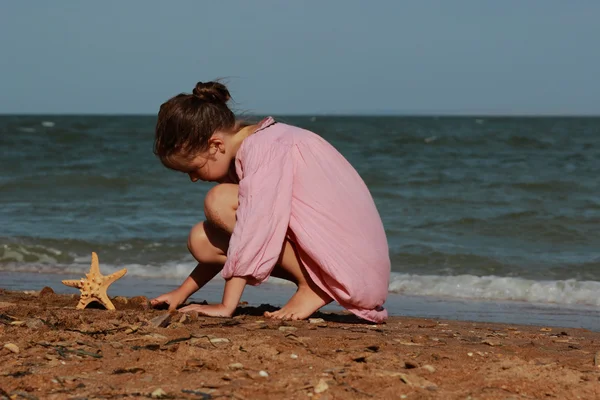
<point x="263" y="215"/>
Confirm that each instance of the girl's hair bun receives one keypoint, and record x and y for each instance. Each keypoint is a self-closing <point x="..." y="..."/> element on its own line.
<point x="211" y="92"/>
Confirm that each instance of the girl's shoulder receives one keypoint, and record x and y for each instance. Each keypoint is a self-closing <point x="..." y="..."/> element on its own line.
<point x="272" y="139"/>
<point x="271" y="131"/>
<point x="272" y="136"/>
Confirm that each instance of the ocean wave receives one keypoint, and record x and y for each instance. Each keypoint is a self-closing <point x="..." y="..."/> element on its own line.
<point x="43" y="253"/>
<point x="570" y="291"/>
<point x="169" y="270"/>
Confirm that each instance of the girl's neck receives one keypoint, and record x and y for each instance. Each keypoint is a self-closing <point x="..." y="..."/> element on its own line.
<point x="242" y="131"/>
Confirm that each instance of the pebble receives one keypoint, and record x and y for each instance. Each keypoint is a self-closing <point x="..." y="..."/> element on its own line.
<point x="316" y="320"/>
<point x="294" y="356"/>
<point x="236" y="366"/>
<point x="491" y="343"/>
<point x="597" y="359"/>
<point x="153" y="336"/>
<point x="470" y="354"/>
<point x="287" y="328"/>
<point x="321" y="386"/>
<point x="262" y="373"/>
<point x="219" y="340"/>
<point x="12" y="347"/>
<point x="429" y="368"/>
<point x="158" y="394"/>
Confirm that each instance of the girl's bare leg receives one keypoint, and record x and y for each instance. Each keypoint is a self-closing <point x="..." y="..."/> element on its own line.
<point x="209" y="241"/>
<point x="208" y="244"/>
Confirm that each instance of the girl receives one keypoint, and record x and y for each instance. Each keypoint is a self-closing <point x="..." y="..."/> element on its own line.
<point x="288" y="204"/>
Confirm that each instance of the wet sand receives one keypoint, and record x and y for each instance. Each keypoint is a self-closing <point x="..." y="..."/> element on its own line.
<point x="50" y="350"/>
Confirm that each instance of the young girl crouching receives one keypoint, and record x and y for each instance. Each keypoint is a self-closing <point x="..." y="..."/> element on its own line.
<point x="288" y="204"/>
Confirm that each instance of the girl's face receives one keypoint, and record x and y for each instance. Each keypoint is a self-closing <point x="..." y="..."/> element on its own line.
<point x="212" y="165"/>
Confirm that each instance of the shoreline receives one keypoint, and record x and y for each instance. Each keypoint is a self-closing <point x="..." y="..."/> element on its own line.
<point x="53" y="351"/>
<point x="476" y="310"/>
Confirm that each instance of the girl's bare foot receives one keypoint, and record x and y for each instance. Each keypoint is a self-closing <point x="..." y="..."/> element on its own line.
<point x="307" y="299"/>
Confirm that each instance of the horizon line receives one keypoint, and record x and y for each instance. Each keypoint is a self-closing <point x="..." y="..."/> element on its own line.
<point x="313" y="115"/>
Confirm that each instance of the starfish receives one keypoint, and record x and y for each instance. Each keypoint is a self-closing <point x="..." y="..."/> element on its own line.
<point x="94" y="287"/>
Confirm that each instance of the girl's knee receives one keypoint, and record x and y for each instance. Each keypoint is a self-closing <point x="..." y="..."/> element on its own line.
<point x="199" y="244"/>
<point x="220" y="204"/>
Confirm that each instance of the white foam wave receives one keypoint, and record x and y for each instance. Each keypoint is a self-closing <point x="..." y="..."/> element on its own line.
<point x="569" y="291"/>
<point x="22" y="254"/>
<point x="172" y="270"/>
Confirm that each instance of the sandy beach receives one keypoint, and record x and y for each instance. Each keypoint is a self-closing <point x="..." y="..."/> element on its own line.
<point x="435" y="164"/>
<point x="50" y="350"/>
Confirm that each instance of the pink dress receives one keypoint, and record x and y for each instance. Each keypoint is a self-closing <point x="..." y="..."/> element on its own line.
<point x="294" y="184"/>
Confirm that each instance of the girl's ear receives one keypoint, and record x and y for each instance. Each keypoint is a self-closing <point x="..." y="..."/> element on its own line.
<point x="216" y="145"/>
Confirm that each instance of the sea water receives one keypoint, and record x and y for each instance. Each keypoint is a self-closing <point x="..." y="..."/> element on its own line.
<point x="487" y="218"/>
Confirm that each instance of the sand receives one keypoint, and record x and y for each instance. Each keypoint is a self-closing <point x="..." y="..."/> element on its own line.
<point x="50" y="350"/>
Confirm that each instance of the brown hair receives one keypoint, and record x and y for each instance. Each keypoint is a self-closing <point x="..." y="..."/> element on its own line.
<point x="187" y="121"/>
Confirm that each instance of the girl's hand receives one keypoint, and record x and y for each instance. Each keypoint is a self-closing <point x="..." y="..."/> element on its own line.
<point x="173" y="299"/>
<point x="211" y="310"/>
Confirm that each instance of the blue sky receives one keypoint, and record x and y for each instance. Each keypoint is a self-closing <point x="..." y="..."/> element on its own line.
<point x="303" y="57"/>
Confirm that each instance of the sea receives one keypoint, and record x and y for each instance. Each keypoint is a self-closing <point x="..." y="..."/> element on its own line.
<point x="492" y="219"/>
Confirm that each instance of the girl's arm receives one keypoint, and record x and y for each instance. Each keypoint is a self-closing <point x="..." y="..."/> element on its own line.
<point x="263" y="213"/>
<point x="197" y="279"/>
<point x="234" y="287"/>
